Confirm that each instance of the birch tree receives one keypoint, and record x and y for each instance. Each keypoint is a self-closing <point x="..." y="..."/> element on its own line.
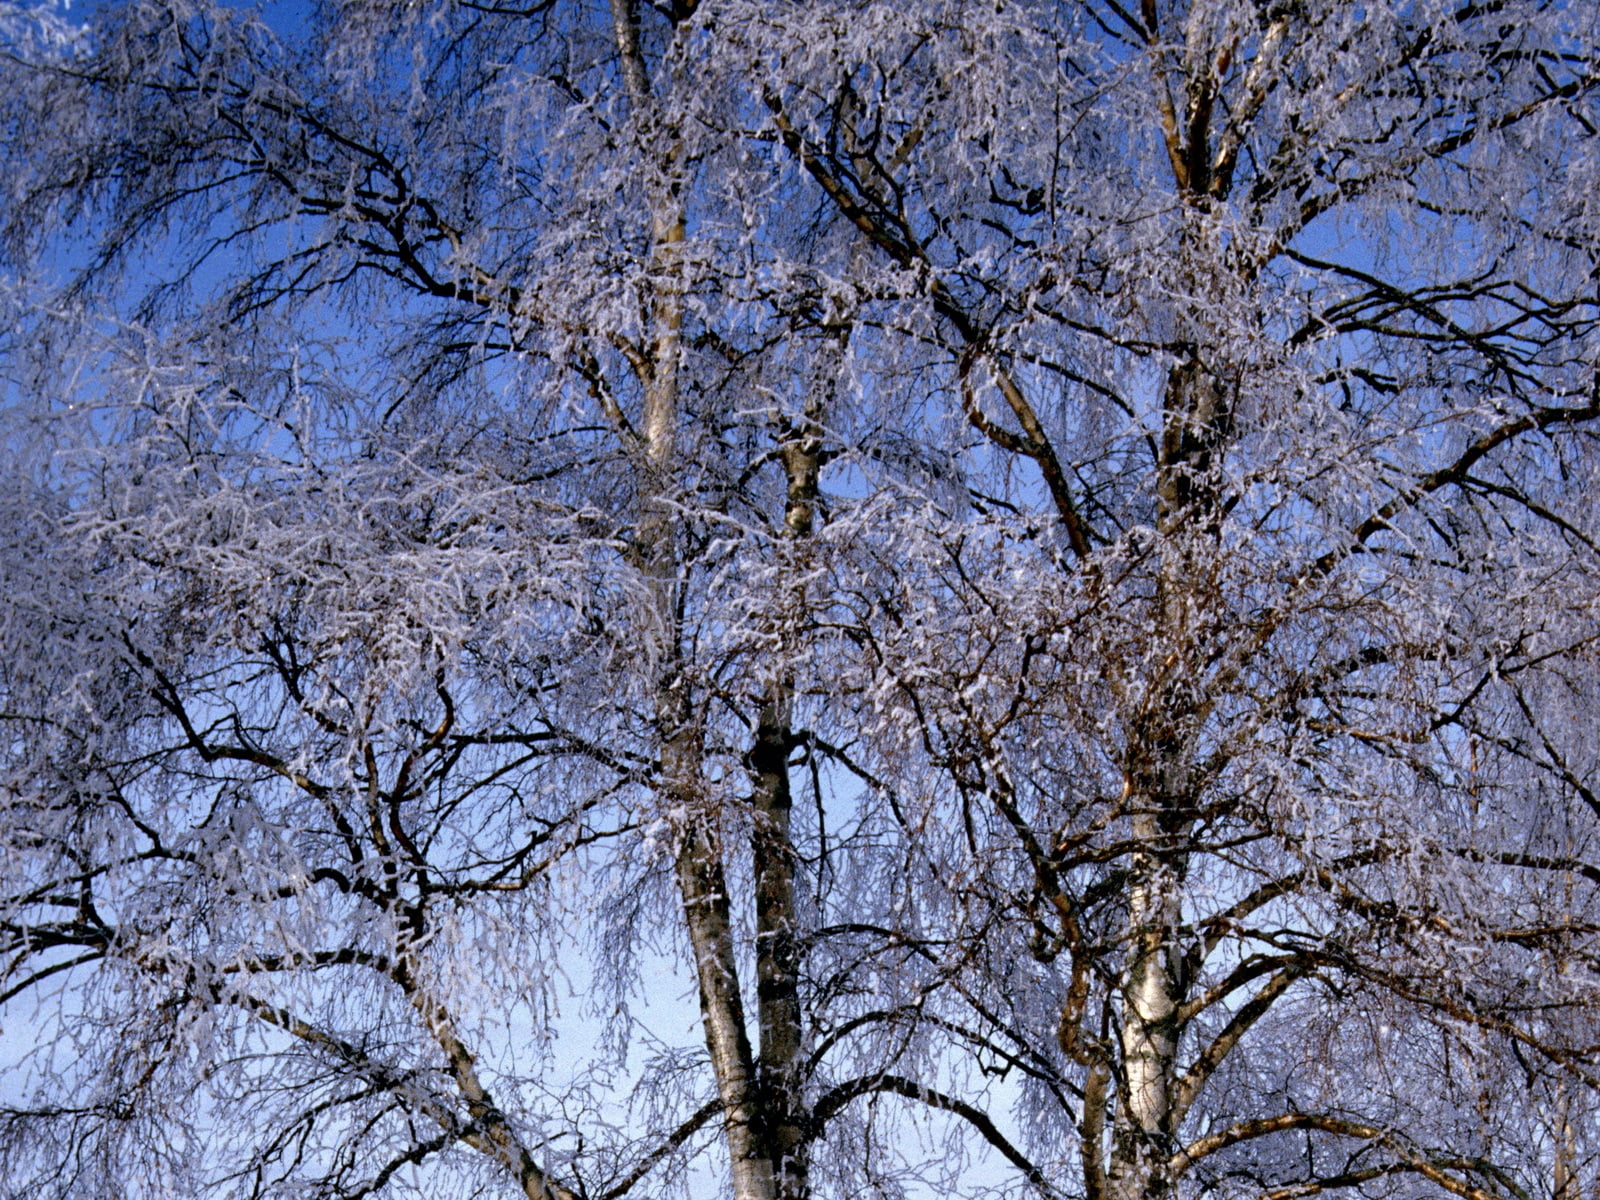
<point x="1281" y="320"/>
<point x="1040" y="549"/>
<point x="548" y="353"/>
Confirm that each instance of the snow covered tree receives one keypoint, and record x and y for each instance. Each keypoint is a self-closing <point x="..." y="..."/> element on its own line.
<point x="1039" y="548"/>
<point x="1260" y="714"/>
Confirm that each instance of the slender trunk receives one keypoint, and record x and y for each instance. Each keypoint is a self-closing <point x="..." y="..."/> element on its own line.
<point x="1153" y="985"/>
<point x="702" y="881"/>
<point x="1161" y="784"/>
<point x="702" y="885"/>
<point x="781" y="1066"/>
<point x="1143" y="1135"/>
<point x="1562" y="1175"/>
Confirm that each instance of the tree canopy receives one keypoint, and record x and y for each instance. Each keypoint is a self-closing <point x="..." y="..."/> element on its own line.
<point x="1039" y="558"/>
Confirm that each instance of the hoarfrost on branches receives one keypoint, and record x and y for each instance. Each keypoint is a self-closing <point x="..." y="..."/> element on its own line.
<point x="1033" y="557"/>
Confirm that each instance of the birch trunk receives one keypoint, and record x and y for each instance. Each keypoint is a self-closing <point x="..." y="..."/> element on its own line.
<point x="1161" y="784"/>
<point x="703" y="888"/>
<point x="1563" y="1183"/>
<point x="1142" y="1139"/>
<point x="781" y="1066"/>
<point x="701" y="878"/>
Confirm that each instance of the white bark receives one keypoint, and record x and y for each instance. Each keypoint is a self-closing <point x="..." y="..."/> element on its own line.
<point x="1147" y="1033"/>
<point x="701" y="875"/>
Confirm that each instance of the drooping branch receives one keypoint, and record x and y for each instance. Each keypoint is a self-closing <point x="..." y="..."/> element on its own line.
<point x="1445" y="1170"/>
<point x="837" y="1097"/>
